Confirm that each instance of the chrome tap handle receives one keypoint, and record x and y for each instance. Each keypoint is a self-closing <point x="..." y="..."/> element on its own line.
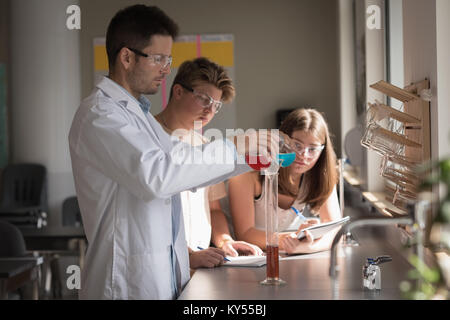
<point x="382" y="259"/>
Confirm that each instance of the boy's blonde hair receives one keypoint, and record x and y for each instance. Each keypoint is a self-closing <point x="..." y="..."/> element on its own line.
<point x="198" y="70"/>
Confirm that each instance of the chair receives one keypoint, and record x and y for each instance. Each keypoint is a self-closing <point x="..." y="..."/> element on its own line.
<point x="12" y="243"/>
<point x="23" y="199"/>
<point x="71" y="213"/>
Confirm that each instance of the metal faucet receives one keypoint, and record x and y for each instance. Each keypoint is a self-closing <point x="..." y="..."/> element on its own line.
<point x="405" y="220"/>
<point x="372" y="272"/>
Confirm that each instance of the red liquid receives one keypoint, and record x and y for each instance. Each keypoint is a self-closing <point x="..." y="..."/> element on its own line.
<point x="257" y="162"/>
<point x="273" y="271"/>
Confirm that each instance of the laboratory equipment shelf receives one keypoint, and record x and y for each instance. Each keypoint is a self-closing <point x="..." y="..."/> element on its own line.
<point x="415" y="139"/>
<point x="398" y="138"/>
<point x="396" y="114"/>
<point x="394" y="92"/>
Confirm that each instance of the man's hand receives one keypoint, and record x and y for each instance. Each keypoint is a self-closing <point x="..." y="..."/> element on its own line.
<point x="260" y="142"/>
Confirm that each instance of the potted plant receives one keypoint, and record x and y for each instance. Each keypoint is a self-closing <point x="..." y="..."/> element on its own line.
<point x="434" y="282"/>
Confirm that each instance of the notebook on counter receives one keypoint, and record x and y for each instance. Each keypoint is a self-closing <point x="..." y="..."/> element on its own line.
<point x="318" y="230"/>
<point x="245" y="261"/>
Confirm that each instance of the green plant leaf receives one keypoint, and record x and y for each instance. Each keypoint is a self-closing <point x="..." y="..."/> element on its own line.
<point x="431" y="275"/>
<point x="413" y="274"/>
<point x="445" y="171"/>
<point x="444" y="211"/>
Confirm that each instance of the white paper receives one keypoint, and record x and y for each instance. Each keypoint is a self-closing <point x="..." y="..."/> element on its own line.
<point x="318" y="230"/>
<point x="245" y="261"/>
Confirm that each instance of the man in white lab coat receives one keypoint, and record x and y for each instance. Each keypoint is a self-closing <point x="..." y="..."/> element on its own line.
<point x="126" y="179"/>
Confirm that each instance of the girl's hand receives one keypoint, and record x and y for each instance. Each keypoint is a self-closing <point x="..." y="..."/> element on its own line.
<point x="308" y="223"/>
<point x="291" y="244"/>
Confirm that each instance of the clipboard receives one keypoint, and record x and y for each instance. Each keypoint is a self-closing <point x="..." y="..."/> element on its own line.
<point x="319" y="230"/>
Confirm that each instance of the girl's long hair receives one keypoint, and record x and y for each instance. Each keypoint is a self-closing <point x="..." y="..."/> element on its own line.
<point x="318" y="182"/>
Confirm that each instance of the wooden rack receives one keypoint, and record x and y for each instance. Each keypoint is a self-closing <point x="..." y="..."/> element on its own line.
<point x="394" y="92"/>
<point x="398" y="138"/>
<point x="396" y="114"/>
<point x="417" y="138"/>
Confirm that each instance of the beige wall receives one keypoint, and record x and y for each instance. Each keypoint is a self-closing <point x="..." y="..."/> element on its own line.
<point x="426" y="55"/>
<point x="286" y="52"/>
<point x="443" y="76"/>
<point x="375" y="71"/>
<point x="427" y="50"/>
<point x="347" y="68"/>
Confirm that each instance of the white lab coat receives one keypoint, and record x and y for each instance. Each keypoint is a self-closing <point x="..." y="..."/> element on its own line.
<point x="128" y="190"/>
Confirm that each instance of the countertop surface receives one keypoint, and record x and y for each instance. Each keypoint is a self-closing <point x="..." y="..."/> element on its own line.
<point x="306" y="276"/>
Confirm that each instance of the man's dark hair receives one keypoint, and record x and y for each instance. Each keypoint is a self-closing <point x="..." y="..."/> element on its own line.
<point x="134" y="26"/>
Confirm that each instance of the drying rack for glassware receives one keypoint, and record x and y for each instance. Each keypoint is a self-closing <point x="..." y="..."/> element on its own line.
<point x="386" y="142"/>
<point x="401" y="172"/>
<point x="396" y="195"/>
<point x="404" y="142"/>
<point x="398" y="121"/>
<point x="379" y="111"/>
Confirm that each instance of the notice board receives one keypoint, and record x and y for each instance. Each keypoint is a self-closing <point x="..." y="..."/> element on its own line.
<point x="217" y="47"/>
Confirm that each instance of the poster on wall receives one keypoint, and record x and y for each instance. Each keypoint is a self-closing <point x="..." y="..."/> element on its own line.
<point x="3" y="119"/>
<point x="217" y="47"/>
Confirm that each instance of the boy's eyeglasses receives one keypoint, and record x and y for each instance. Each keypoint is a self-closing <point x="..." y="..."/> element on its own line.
<point x="204" y="100"/>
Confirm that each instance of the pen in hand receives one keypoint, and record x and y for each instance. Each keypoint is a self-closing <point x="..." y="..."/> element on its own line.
<point x="299" y="214"/>
<point x="224" y="258"/>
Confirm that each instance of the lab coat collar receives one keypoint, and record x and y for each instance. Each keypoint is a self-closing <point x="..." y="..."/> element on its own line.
<point x="120" y="95"/>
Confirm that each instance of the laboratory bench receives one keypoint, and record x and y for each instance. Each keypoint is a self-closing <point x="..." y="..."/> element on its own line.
<point x="307" y="276"/>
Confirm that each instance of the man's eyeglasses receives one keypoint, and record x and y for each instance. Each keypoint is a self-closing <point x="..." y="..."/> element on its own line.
<point x="311" y="152"/>
<point x="161" y="59"/>
<point x="204" y="100"/>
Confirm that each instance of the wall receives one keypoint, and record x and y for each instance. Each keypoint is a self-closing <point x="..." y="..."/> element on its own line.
<point x="286" y="52"/>
<point x="372" y="42"/>
<point x="443" y="76"/>
<point x="426" y="54"/>
<point x="420" y="55"/>
<point x="396" y="67"/>
<point x="347" y="68"/>
<point x="45" y="92"/>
